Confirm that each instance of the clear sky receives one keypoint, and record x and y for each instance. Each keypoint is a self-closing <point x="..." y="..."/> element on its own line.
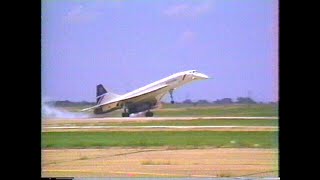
<point x="125" y="45"/>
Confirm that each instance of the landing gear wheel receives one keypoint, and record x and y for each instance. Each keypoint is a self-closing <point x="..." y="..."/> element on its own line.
<point x="149" y="114"/>
<point x="125" y="114"/>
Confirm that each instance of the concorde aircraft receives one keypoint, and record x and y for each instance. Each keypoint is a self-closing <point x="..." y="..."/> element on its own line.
<point x="145" y="98"/>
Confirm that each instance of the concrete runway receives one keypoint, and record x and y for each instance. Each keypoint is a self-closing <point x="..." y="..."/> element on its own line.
<point x="121" y="119"/>
<point x="97" y="124"/>
<point x="157" y="128"/>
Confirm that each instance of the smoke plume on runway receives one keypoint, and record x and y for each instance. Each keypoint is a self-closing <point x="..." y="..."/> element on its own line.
<point x="49" y="111"/>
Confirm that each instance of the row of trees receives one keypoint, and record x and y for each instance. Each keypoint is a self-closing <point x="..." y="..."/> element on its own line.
<point x="240" y="100"/>
<point x="67" y="103"/>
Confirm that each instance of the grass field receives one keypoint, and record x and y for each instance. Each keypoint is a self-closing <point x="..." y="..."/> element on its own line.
<point x="178" y="110"/>
<point x="228" y="110"/>
<point x="172" y="139"/>
<point x="157" y="153"/>
<point x="207" y="122"/>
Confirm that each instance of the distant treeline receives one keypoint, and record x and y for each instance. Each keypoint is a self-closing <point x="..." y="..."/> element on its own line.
<point x="239" y="100"/>
<point x="224" y="101"/>
<point x="67" y="103"/>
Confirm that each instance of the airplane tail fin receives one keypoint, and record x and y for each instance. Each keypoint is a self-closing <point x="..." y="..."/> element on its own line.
<point x="103" y="95"/>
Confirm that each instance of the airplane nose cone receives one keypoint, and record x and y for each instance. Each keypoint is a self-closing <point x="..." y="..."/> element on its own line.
<point x="202" y="76"/>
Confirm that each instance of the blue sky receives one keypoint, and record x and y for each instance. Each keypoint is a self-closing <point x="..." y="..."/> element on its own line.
<point x="125" y="45"/>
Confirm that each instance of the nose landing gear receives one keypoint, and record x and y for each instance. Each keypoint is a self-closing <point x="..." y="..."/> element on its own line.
<point x="172" y="101"/>
<point x="125" y="113"/>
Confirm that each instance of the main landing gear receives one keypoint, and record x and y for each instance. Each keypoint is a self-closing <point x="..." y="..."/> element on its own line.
<point x="125" y="114"/>
<point x="149" y="114"/>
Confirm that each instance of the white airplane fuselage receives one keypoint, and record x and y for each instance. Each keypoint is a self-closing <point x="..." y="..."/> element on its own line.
<point x="149" y="96"/>
<point x="174" y="81"/>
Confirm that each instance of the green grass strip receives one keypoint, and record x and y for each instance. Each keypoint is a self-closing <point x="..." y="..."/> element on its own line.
<point x="243" y="110"/>
<point x="209" y="122"/>
<point x="183" y="139"/>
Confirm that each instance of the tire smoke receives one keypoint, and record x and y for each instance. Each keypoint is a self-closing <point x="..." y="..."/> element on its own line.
<point x="49" y="111"/>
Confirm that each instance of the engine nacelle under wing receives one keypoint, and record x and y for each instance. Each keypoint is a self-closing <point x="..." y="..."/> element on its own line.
<point x="139" y="107"/>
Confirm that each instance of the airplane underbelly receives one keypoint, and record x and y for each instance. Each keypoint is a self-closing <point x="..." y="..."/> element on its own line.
<point x="109" y="106"/>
